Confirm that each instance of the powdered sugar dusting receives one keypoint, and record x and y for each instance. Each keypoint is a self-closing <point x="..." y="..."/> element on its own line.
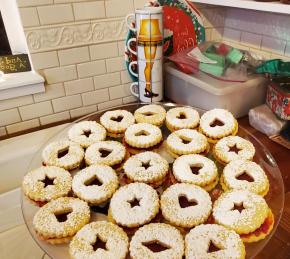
<point x="197" y="142"/>
<point x="126" y="215"/>
<point x="197" y="243"/>
<point x="182" y="170"/>
<point x="188" y="216"/>
<point x="191" y="121"/>
<point x="95" y="194"/>
<point x="35" y="189"/>
<point x="77" y="133"/>
<point x="94" y="156"/>
<point x="116" y="240"/>
<point x="70" y="161"/>
<point x="164" y="234"/>
<point x="158" y="167"/>
<point x="254" y="213"/>
<point x="117" y="126"/>
<point x="153" y="135"/>
<point x="237" y="168"/>
<point x="222" y="149"/>
<point x="46" y="224"/>
<point x="222" y="115"/>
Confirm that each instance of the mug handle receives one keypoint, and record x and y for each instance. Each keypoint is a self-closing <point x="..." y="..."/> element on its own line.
<point x="130" y="68"/>
<point x="132" y="89"/>
<point x="129" y="46"/>
<point x="128" y="22"/>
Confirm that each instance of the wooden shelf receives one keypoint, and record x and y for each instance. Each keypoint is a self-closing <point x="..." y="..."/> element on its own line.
<point x="274" y="7"/>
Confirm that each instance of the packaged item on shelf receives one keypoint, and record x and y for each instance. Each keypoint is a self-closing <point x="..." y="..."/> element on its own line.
<point x="206" y="92"/>
<point x="263" y="119"/>
<point x="278" y="99"/>
<point x="218" y="60"/>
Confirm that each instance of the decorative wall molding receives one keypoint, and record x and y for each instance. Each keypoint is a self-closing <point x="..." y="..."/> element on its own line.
<point x="42" y="39"/>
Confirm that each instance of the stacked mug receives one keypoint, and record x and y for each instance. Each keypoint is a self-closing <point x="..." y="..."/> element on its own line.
<point x="149" y="42"/>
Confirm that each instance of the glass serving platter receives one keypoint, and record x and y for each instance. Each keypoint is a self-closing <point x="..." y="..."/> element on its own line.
<point x="275" y="197"/>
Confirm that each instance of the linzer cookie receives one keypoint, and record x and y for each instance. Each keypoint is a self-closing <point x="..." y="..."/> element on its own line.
<point x="134" y="205"/>
<point x="99" y="239"/>
<point x="152" y="114"/>
<point x="87" y="133"/>
<point x="244" y="212"/>
<point x="142" y="137"/>
<point x="217" y="124"/>
<point x="182" y="118"/>
<point x="63" y="153"/>
<point x="157" y="240"/>
<point x="59" y="220"/>
<point x="116" y="122"/>
<point x="186" y="141"/>
<point x="185" y="205"/>
<point x="46" y="183"/>
<point x="232" y="148"/>
<point x="245" y="175"/>
<point x="147" y="167"/>
<point x="111" y="153"/>
<point x="196" y="169"/>
<point x="95" y="184"/>
<point x="216" y="240"/>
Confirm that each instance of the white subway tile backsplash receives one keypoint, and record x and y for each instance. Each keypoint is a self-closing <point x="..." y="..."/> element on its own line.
<point x="73" y="56"/>
<point x="29" y="17"/>
<point x="35" y="110"/>
<point x="52" y="14"/>
<point x="95" y="97"/>
<point x="125" y="77"/>
<point x="83" y="77"/>
<point x="115" y="9"/>
<point x="273" y="45"/>
<point x="79" y="86"/>
<point x="56" y="117"/>
<point x="102" y="51"/>
<point x="3" y="132"/>
<point x="79" y="112"/>
<point x="213" y="17"/>
<point x="67" y="103"/>
<point x="287" y="51"/>
<point x="91" y="68"/>
<point x="60" y="74"/>
<point x="251" y="39"/>
<point x="51" y="92"/>
<point x="130" y="99"/>
<point x="119" y="91"/>
<point x="232" y="34"/>
<point x="121" y="47"/>
<point x="217" y="34"/>
<point x="107" y="80"/>
<point x="21" y="126"/>
<point x="115" y="64"/>
<point x="45" y="60"/>
<point x="89" y="10"/>
<point x="69" y="1"/>
<point x="25" y="3"/>
<point x="140" y="3"/>
<point x="9" y="116"/>
<point x="109" y="104"/>
<point x="15" y="102"/>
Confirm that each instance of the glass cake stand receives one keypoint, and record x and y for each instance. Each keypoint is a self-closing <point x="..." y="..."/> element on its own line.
<point x="275" y="197"/>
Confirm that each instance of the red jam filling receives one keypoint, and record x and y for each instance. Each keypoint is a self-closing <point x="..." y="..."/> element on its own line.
<point x="263" y="229"/>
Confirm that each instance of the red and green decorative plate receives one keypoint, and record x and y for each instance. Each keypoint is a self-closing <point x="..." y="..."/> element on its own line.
<point x="183" y="28"/>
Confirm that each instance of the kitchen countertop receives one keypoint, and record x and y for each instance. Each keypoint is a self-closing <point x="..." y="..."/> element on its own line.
<point x="279" y="245"/>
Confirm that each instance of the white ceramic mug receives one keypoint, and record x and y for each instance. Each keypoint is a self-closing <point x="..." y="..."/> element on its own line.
<point x="138" y="89"/>
<point x="149" y="39"/>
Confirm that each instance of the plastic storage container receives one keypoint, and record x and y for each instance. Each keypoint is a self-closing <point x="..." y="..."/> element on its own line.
<point x="205" y="92"/>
